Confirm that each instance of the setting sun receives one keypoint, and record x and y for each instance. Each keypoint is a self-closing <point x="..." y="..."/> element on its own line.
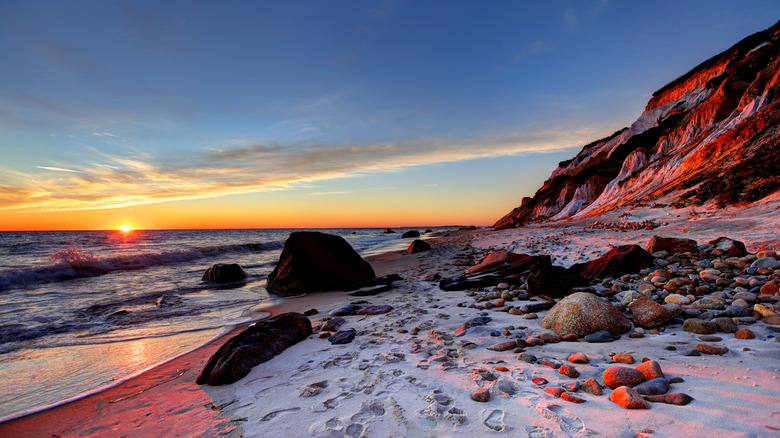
<point x="125" y="228"/>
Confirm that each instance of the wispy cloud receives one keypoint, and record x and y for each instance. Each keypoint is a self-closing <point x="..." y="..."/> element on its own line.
<point x="58" y="169"/>
<point x="125" y="181"/>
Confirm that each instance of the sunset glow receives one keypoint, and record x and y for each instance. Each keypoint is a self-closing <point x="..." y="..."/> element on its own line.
<point x="273" y="115"/>
<point x="126" y="228"/>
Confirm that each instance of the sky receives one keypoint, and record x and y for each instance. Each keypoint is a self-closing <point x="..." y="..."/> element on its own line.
<point x="318" y="114"/>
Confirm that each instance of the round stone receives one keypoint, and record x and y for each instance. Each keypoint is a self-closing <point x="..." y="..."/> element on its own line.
<point x="482" y="395"/>
<point x="712" y="349"/>
<point x="622" y="376"/>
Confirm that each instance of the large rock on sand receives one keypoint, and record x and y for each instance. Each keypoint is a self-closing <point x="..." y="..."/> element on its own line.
<point x="553" y="282"/>
<point x="418" y="246"/>
<point x="582" y="313"/>
<point x="312" y="261"/>
<point x="672" y="245"/>
<point x="734" y="248"/>
<point x="620" y="260"/>
<point x="498" y="267"/>
<point x="224" y="273"/>
<point x="255" y="345"/>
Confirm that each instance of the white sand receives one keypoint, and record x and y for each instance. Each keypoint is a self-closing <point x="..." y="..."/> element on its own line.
<point x="376" y="387"/>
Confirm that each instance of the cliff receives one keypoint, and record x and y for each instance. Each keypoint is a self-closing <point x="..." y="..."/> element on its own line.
<point x="710" y="136"/>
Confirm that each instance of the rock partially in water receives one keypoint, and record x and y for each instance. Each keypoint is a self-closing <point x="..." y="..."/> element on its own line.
<point x="224" y="273"/>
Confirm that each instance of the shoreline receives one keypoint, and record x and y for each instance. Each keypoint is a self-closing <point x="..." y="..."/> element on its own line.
<point x="392" y="381"/>
<point x="175" y="375"/>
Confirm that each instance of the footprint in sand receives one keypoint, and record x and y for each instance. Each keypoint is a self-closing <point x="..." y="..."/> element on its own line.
<point x="271" y="415"/>
<point x="312" y="389"/>
<point x="339" y="360"/>
<point x="367" y="411"/>
<point x="539" y="432"/>
<point x="494" y="420"/>
<point x="569" y="422"/>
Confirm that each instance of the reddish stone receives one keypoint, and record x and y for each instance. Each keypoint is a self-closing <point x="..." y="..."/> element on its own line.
<point x="628" y="398"/>
<point x="569" y="371"/>
<point x="571" y="398"/>
<point x="591" y="386"/>
<point x="672" y="245"/>
<point x="678" y="399"/>
<point x="555" y="391"/>
<point x="712" y="349"/>
<point x="620" y="260"/>
<point x="623" y="358"/>
<point x="539" y="380"/>
<point x="482" y="395"/>
<point x="622" y="376"/>
<point x="579" y="358"/>
<point x="502" y="369"/>
<point x="647" y="313"/>
<point x="650" y="369"/>
<point x="770" y="288"/>
<point x="744" y="334"/>
<point x="553" y="282"/>
<point x="570" y="337"/>
<point x="733" y="248"/>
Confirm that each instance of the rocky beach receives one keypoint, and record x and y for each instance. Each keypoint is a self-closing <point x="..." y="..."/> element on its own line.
<point x="491" y="360"/>
<point x="636" y="294"/>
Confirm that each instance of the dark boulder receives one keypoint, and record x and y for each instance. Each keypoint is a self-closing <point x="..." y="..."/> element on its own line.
<point x="418" y="246"/>
<point x="410" y="234"/>
<point x="255" y="345"/>
<point x="498" y="267"/>
<point x="389" y="231"/>
<point x="312" y="261"/>
<point x="734" y="248"/>
<point x="620" y="260"/>
<point x="553" y="282"/>
<point x="224" y="273"/>
<point x="672" y="245"/>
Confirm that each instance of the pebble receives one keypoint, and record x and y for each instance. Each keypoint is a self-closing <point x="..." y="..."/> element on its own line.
<point x="526" y="357"/>
<point x="770" y="288"/>
<point x="375" y="310"/>
<point x="571" y="398"/>
<point x="333" y="324"/>
<point x="765" y="311"/>
<point x="569" y="371"/>
<point x="622" y="376"/>
<point x="591" y="386"/>
<point x="712" y="349"/>
<point x="531" y="316"/>
<point x="678" y="399"/>
<point x="555" y="391"/>
<point x="623" y="358"/>
<point x="710" y="338"/>
<point x="343" y="336"/>
<point x="628" y="398"/>
<point x="744" y="334"/>
<point x="572" y="386"/>
<point x="515" y="311"/>
<point x="482" y="395"/>
<point x="539" y="381"/>
<point x="503" y="346"/>
<point x="550" y="338"/>
<point x="725" y="325"/>
<point x="699" y="326"/>
<point x="599" y="336"/>
<point x="653" y="387"/>
<point x="570" y="337"/>
<point x="579" y="358"/>
<point x="349" y="309"/>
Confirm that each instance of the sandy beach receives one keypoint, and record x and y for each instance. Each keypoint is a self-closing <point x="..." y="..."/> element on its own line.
<point x="408" y="374"/>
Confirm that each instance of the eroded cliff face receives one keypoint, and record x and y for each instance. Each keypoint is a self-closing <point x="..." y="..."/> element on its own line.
<point x="710" y="136"/>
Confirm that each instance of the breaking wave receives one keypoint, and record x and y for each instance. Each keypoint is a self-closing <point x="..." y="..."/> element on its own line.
<point x="72" y="263"/>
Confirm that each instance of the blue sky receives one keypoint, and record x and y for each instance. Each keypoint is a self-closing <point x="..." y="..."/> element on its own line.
<point x="109" y="106"/>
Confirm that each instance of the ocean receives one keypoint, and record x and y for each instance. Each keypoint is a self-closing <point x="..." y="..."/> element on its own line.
<point x="83" y="310"/>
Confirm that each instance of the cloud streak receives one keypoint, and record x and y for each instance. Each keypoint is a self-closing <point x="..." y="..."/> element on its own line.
<point x="124" y="181"/>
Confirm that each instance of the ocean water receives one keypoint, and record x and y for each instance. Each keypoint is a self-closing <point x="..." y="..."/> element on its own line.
<point x="82" y="310"/>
